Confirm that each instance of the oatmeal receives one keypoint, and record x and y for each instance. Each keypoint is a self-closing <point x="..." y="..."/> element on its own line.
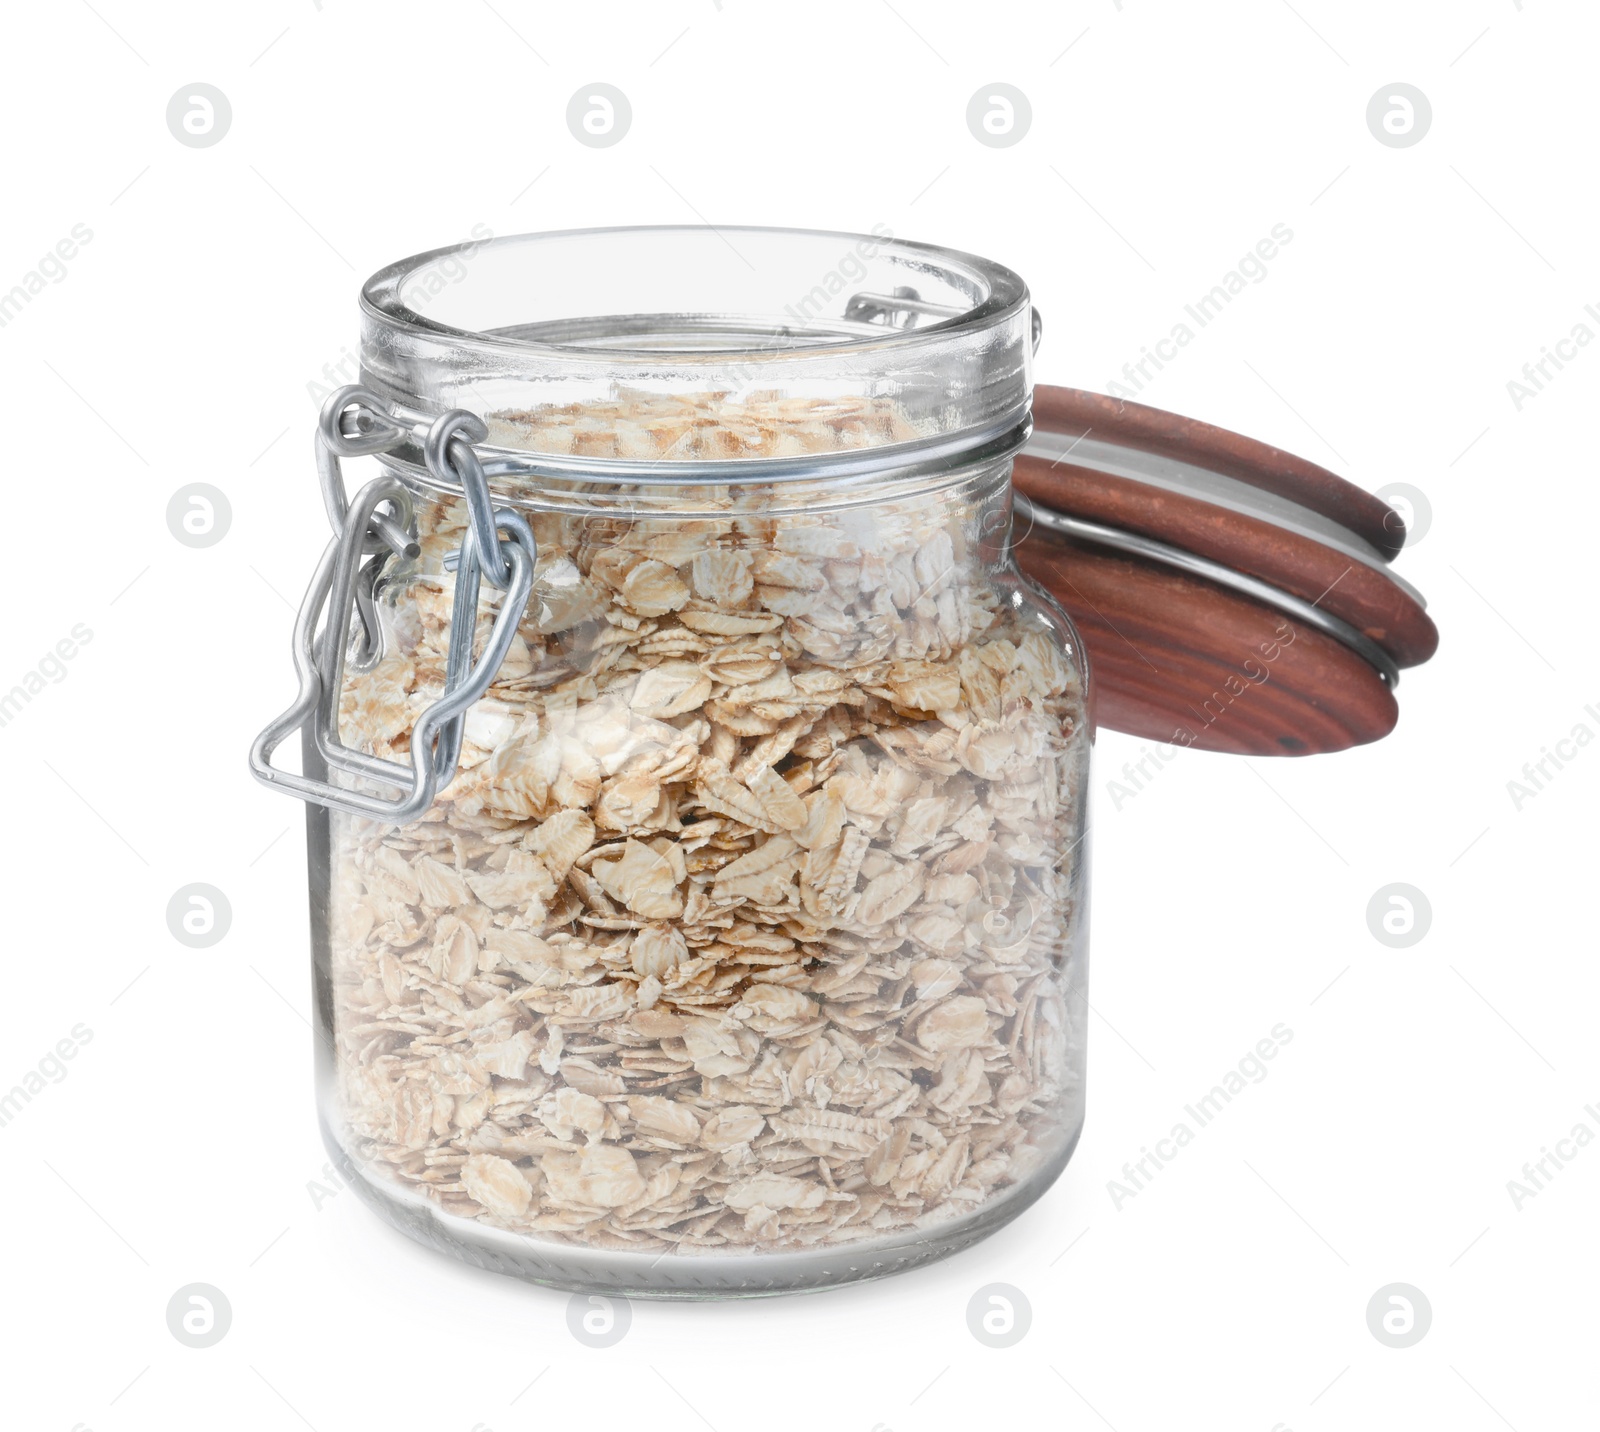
<point x="749" y="919"/>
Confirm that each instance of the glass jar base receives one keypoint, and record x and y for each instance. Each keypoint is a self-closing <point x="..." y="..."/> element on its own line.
<point x="693" y="1277"/>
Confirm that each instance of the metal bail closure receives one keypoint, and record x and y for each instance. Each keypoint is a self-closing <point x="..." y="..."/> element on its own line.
<point x="343" y="586"/>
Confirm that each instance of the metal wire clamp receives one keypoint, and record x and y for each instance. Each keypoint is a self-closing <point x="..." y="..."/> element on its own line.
<point x="378" y="523"/>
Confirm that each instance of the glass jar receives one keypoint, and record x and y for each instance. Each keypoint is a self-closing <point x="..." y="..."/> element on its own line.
<point x="727" y="934"/>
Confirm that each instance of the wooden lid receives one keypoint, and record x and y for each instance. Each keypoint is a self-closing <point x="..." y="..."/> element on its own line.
<point x="1230" y="596"/>
<point x="1074" y="413"/>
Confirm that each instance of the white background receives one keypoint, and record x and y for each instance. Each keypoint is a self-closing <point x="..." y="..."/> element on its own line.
<point x="1230" y="895"/>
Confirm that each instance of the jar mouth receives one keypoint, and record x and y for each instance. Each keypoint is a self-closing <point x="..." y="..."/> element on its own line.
<point x="436" y="292"/>
<point x="705" y="353"/>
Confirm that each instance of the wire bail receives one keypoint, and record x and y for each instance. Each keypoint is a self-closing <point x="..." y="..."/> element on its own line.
<point x="337" y="627"/>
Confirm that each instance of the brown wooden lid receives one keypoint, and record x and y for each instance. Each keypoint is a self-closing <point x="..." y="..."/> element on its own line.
<point x="1073" y="412"/>
<point x="1230" y="596"/>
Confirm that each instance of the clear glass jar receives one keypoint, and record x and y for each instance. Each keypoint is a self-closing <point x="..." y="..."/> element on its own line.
<point x="745" y="950"/>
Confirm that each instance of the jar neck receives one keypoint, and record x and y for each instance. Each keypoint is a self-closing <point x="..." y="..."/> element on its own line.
<point x="970" y="492"/>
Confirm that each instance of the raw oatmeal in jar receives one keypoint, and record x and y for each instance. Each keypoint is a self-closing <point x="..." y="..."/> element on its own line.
<point x="750" y="920"/>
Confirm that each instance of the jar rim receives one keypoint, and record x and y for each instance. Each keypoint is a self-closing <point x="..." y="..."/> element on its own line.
<point x="384" y="294"/>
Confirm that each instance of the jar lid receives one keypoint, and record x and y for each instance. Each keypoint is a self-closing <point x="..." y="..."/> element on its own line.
<point x="1231" y="596"/>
